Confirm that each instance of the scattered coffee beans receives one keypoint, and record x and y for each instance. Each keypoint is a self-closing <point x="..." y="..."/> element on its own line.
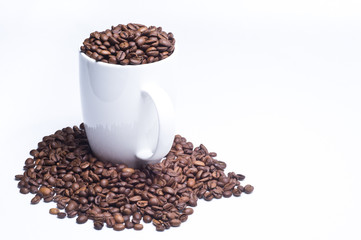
<point x="131" y="44"/>
<point x="62" y="169"/>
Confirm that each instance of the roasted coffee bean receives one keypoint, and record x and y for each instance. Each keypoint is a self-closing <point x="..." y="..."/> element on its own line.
<point x="82" y="219"/>
<point x="24" y="190"/>
<point x="36" y="199"/>
<point x="98" y="225"/>
<point x="188" y="211"/>
<point x="138" y="226"/>
<point x="119" y="227"/>
<point x="147" y="218"/>
<point x="248" y="189"/>
<point x="44" y="191"/>
<point x="65" y="171"/>
<point x="154" y="201"/>
<point x="175" y="222"/>
<point x="54" y="211"/>
<point x="129" y="224"/>
<point x="118" y="218"/>
<point x="61" y="215"/>
<point x="227" y="194"/>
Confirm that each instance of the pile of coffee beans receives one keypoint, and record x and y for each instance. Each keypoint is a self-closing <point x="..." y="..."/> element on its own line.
<point x="132" y="44"/>
<point x="63" y="170"/>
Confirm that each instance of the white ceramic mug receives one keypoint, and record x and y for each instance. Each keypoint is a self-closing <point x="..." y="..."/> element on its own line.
<point x="127" y="112"/>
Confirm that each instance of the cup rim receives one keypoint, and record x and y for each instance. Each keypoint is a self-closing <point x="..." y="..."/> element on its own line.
<point x="111" y="65"/>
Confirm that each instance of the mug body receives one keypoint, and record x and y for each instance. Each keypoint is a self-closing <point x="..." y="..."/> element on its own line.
<point x="119" y="120"/>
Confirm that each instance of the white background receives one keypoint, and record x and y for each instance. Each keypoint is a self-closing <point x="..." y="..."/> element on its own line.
<point x="272" y="86"/>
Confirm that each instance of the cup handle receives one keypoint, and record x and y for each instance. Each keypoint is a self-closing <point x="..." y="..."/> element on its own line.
<point x="166" y="123"/>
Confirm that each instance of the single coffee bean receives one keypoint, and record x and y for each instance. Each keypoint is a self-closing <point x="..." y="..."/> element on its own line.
<point x="138" y="226"/>
<point x="135" y="198"/>
<point x="24" y="190"/>
<point x="128" y="170"/>
<point x="61" y="215"/>
<point x="248" y="189"/>
<point x="104" y="182"/>
<point x="118" y="218"/>
<point x="119" y="227"/>
<point x="135" y="61"/>
<point x="120" y="55"/>
<point x="54" y="211"/>
<point x="154" y="201"/>
<point x="82" y="219"/>
<point x="36" y="199"/>
<point x="44" y="191"/>
<point x="227" y="194"/>
<point x="175" y="222"/>
<point x="98" y="225"/>
<point x="129" y="224"/>
<point x="72" y="205"/>
<point x="164" y="42"/>
<point x="188" y="211"/>
<point x="147" y="218"/>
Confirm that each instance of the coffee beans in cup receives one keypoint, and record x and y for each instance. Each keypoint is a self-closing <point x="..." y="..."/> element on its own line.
<point x="129" y="44"/>
<point x="62" y="169"/>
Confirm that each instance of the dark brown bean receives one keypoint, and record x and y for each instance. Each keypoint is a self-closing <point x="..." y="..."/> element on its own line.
<point x="98" y="225"/>
<point x="82" y="219"/>
<point x="248" y="189"/>
<point x="36" y="199"/>
<point x="147" y="218"/>
<point x="138" y="226"/>
<point x="61" y="215"/>
<point x="119" y="227"/>
<point x="164" y="42"/>
<point x="175" y="222"/>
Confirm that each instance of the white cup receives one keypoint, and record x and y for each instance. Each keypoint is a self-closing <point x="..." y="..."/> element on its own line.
<point x="127" y="112"/>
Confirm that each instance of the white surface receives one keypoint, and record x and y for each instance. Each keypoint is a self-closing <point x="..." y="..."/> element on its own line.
<point x="272" y="86"/>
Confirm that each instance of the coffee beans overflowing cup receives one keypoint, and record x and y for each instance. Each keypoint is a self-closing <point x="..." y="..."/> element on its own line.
<point x="63" y="169"/>
<point x="132" y="44"/>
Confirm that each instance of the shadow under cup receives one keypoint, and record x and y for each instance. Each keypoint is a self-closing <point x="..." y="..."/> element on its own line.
<point x="128" y="110"/>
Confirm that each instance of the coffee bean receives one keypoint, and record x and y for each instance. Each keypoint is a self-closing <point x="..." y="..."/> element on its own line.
<point x="129" y="224"/>
<point x="61" y="215"/>
<point x="104" y="183"/>
<point x="248" y="189"/>
<point x="138" y="226"/>
<point x="135" y="61"/>
<point x="44" y="191"/>
<point x="54" y="211"/>
<point x="175" y="222"/>
<point x="188" y="211"/>
<point x="119" y="227"/>
<point x="120" y="55"/>
<point x="36" y="199"/>
<point x="128" y="170"/>
<point x="82" y="219"/>
<point x="98" y="225"/>
<point x="72" y="205"/>
<point x="104" y="52"/>
<point x="118" y="218"/>
<point x="24" y="190"/>
<point x="227" y="194"/>
<point x="168" y="190"/>
<point x="147" y="218"/>
<point x="164" y="42"/>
